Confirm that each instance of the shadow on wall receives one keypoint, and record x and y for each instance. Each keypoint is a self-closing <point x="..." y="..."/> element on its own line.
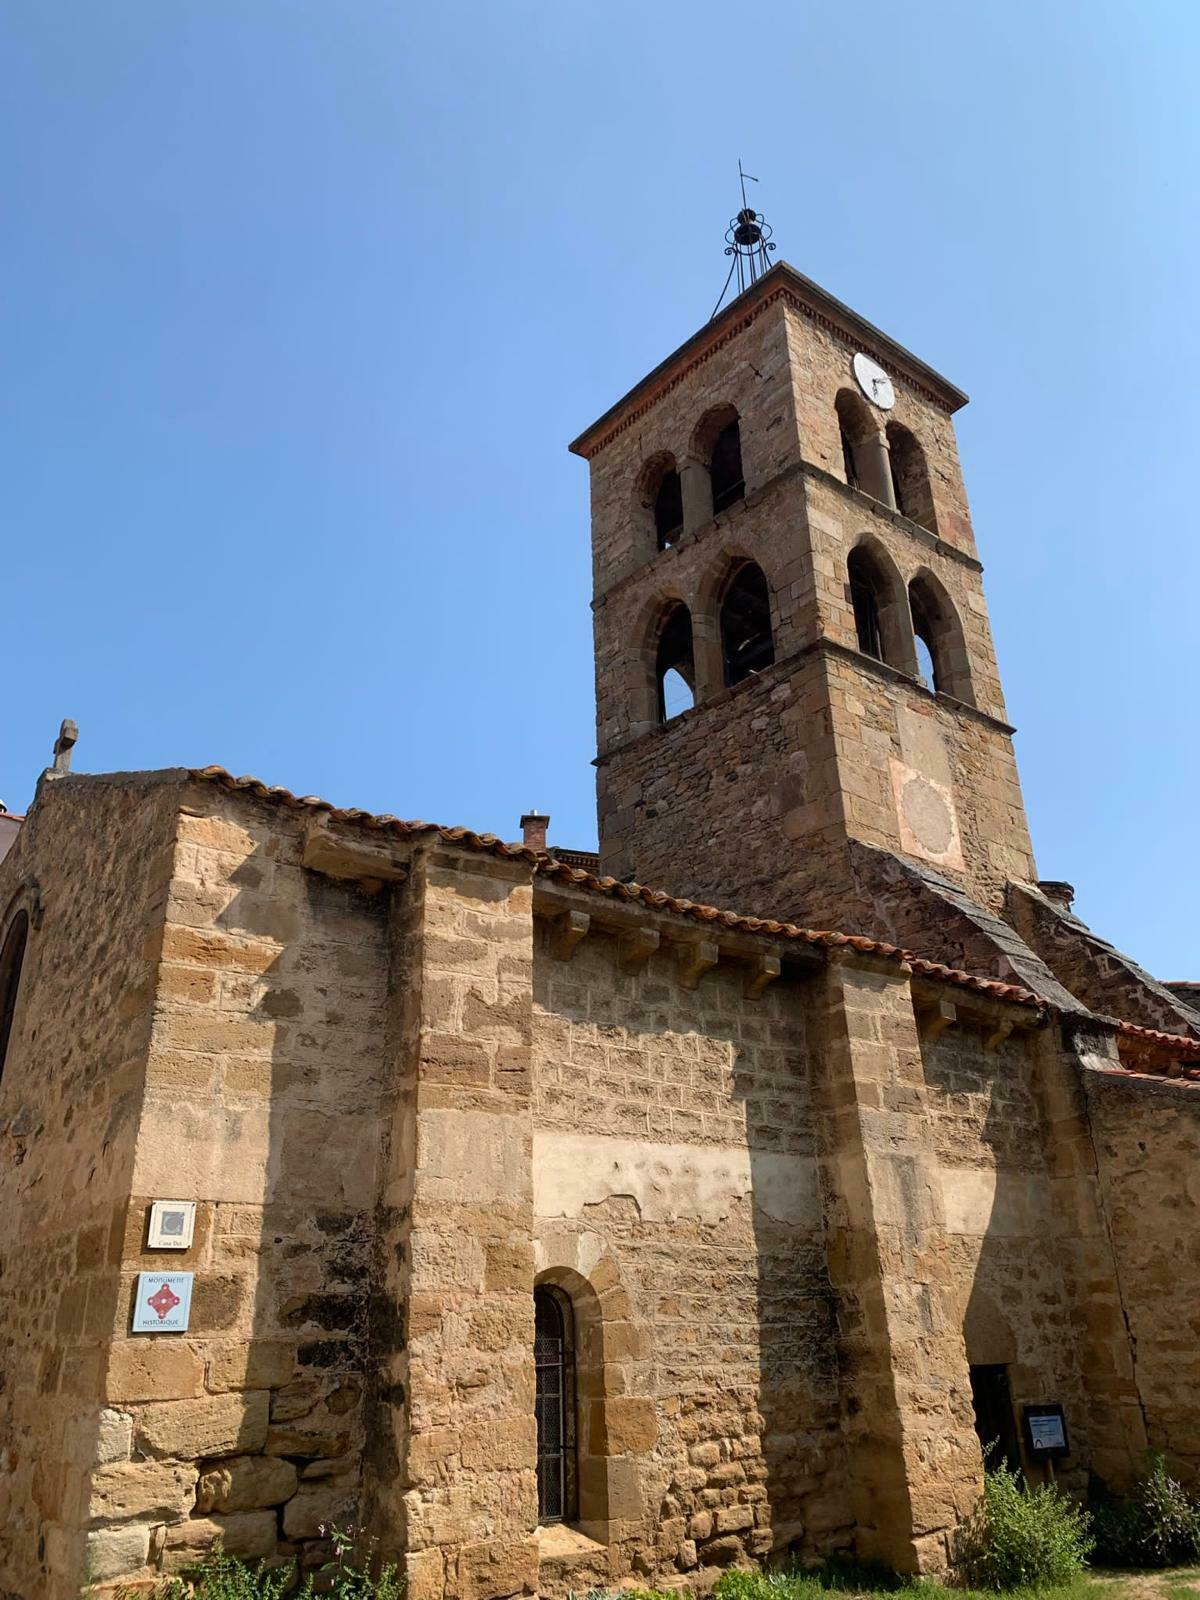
<point x="280" y="984"/>
<point x="693" y="1191"/>
<point x="88" y="869"/>
<point x="798" y="1401"/>
<point x="1004" y="1237"/>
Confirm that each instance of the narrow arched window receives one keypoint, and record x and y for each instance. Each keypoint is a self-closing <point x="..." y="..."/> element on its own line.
<point x="554" y="1363"/>
<point x="855" y="430"/>
<point x="12" y="958"/>
<point x="728" y="482"/>
<point x="911" y="487"/>
<point x="941" y="649"/>
<point x="881" y="618"/>
<point x="668" y="509"/>
<point x="660" y="498"/>
<point x="925" y="634"/>
<point x="865" y="597"/>
<point x="746" y="638"/>
<point x="675" y="667"/>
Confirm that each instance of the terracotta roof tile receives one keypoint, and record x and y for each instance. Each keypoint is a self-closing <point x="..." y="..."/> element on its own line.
<point x="1180" y="1043"/>
<point x="546" y="865"/>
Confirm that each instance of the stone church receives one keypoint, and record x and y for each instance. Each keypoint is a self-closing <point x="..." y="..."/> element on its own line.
<point x="566" y="1221"/>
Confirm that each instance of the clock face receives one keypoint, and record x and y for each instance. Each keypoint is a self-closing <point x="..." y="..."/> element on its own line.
<point x="874" y="382"/>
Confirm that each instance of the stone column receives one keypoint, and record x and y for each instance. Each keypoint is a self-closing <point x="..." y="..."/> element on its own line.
<point x="874" y="464"/>
<point x="913" y="1458"/>
<point x="455" y="1484"/>
<point x="708" y="655"/>
<point x="696" y="486"/>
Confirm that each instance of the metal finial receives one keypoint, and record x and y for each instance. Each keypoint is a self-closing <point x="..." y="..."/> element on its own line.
<point x="748" y="241"/>
<point x="63" y="745"/>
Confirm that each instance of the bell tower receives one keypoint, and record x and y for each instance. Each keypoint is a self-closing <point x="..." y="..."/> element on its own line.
<point x="792" y="644"/>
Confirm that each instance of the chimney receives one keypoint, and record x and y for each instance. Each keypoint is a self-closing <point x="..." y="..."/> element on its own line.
<point x="1062" y="894"/>
<point x="533" y="830"/>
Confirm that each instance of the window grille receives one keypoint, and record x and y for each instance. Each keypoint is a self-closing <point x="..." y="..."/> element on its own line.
<point x="554" y="1360"/>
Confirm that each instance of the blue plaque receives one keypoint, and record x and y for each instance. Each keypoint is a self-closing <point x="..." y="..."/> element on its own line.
<point x="162" y="1302"/>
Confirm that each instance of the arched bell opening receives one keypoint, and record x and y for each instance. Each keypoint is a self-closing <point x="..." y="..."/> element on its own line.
<point x="747" y="642"/>
<point x="675" y="665"/>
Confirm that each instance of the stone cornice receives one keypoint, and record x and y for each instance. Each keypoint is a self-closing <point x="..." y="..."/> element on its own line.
<point x="897" y="519"/>
<point x="783" y="668"/>
<point x="725" y="519"/>
<point x="807" y="299"/>
<point x="881" y="669"/>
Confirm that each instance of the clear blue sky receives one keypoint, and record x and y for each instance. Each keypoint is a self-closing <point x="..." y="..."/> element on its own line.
<point x="303" y="299"/>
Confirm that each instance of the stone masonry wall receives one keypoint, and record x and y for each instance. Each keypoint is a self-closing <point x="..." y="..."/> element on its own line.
<point x="91" y="865"/>
<point x="754" y="786"/>
<point x="750" y="373"/>
<point x="821" y="366"/>
<point x="677" y="1202"/>
<point x="745" y="802"/>
<point x="1147" y="1137"/>
<point x="262" y="1095"/>
<point x="462" y="1497"/>
<point x="733" y="803"/>
<point x="1015" y="1302"/>
<point x="913" y="1459"/>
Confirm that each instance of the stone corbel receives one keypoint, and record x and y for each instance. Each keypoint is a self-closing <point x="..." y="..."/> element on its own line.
<point x="569" y="929"/>
<point x="636" y="948"/>
<point x="763" y="970"/>
<point x="363" y="859"/>
<point x="995" y="1037"/>
<point x="936" y="1018"/>
<point x="695" y="959"/>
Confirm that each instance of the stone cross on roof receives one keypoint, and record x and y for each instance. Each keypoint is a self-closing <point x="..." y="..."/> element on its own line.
<point x="68" y="733"/>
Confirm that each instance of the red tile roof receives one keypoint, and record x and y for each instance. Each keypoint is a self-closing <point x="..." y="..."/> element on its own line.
<point x="546" y="865"/>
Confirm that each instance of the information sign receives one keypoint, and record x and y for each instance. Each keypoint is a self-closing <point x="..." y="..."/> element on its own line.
<point x="162" y="1302"/>
<point x="172" y="1223"/>
<point x="1046" y="1431"/>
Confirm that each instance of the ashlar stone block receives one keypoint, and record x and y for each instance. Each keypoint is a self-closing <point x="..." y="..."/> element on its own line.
<point x="246" y="1534"/>
<point x="159" y="1490"/>
<point x="117" y="1552"/>
<point x="218" y="1425"/>
<point x="318" y="1505"/>
<point x="246" y="1483"/>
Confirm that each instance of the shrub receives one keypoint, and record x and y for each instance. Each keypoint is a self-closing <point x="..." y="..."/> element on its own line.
<point x="222" y="1577"/>
<point x="1024" y="1538"/>
<point x="351" y="1575"/>
<point x="1158" y="1525"/>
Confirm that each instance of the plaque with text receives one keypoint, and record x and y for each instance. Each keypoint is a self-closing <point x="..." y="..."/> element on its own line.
<point x="162" y="1302"/>
<point x="1046" y="1432"/>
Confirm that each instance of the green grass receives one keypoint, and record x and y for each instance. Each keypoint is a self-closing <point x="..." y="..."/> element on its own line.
<point x="857" y="1582"/>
